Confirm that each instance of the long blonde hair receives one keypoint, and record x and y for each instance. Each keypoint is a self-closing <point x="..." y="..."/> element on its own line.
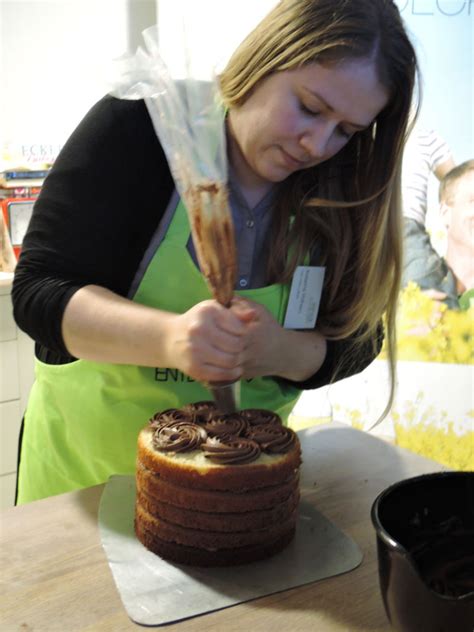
<point x="350" y="205"/>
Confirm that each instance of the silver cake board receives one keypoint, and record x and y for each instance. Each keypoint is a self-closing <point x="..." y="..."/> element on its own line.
<point x="156" y="592"/>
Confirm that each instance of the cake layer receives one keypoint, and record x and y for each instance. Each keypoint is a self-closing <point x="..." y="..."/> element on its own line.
<point x="224" y="522"/>
<point x="214" y="501"/>
<point x="193" y="469"/>
<point x="210" y="540"/>
<point x="202" y="557"/>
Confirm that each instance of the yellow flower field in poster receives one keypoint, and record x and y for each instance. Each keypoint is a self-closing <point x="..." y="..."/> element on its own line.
<point x="428" y="331"/>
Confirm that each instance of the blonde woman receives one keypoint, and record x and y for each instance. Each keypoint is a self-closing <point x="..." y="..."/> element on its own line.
<point x="317" y="98"/>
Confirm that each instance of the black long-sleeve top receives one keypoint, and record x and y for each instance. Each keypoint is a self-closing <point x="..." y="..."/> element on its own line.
<point x="93" y="220"/>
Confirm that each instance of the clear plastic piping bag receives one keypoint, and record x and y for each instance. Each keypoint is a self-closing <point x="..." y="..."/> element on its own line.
<point x="188" y="118"/>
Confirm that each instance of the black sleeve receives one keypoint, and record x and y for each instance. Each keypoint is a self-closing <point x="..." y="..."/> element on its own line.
<point x="93" y="220"/>
<point x="343" y="359"/>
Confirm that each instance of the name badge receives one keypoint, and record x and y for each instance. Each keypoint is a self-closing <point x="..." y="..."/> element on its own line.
<point x="305" y="296"/>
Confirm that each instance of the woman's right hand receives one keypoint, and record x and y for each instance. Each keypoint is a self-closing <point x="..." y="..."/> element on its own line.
<point x="207" y="342"/>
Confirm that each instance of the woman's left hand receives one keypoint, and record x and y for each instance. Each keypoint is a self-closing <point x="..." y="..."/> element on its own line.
<point x="270" y="349"/>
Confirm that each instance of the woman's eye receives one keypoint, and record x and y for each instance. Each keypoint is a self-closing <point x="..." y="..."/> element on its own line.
<point x="344" y="133"/>
<point x="306" y="110"/>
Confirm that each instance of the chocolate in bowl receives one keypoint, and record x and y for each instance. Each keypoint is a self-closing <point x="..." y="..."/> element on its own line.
<point x="425" y="546"/>
<point x="445" y="558"/>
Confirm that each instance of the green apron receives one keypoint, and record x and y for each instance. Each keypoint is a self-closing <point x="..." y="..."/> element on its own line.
<point x="83" y="418"/>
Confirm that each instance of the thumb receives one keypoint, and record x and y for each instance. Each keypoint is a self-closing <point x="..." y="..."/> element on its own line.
<point x="247" y="315"/>
<point x="243" y="310"/>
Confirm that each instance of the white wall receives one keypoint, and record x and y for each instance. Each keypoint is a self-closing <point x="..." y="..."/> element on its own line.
<point x="54" y="60"/>
<point x="213" y="29"/>
<point x="56" y="55"/>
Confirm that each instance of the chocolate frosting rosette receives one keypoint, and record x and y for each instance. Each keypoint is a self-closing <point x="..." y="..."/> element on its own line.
<point x="272" y="438"/>
<point x="260" y="416"/>
<point x="200" y="412"/>
<point x="235" y="450"/>
<point x="178" y="436"/>
<point x="169" y="415"/>
<point x="226" y="426"/>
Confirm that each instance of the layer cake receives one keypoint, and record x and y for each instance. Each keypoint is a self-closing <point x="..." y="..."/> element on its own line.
<point x="214" y="489"/>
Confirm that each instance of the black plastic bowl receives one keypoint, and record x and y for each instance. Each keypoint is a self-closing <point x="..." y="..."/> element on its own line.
<point x="425" y="547"/>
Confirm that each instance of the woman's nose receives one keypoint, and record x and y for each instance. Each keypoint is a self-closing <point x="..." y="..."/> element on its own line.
<point x="315" y="140"/>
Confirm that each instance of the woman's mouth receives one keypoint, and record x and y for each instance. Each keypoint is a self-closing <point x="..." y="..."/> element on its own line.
<point x="291" y="162"/>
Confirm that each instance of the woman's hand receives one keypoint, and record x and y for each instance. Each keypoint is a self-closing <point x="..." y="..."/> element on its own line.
<point x="207" y="342"/>
<point x="263" y="337"/>
<point x="272" y="350"/>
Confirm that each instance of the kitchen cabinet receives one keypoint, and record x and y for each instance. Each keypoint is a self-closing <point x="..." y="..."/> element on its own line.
<point x="16" y="378"/>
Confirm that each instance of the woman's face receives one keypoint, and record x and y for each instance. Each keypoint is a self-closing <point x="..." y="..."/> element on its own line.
<point x="299" y="118"/>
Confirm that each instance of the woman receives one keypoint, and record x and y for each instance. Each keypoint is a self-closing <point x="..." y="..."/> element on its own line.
<point x="318" y="99"/>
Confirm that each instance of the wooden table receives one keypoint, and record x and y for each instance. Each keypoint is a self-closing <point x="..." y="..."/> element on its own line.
<point x="55" y="576"/>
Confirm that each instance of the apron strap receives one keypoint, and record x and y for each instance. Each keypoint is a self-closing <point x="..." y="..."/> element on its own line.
<point x="155" y="242"/>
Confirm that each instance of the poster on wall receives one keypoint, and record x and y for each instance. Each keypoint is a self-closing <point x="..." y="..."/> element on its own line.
<point x="433" y="413"/>
<point x="438" y="177"/>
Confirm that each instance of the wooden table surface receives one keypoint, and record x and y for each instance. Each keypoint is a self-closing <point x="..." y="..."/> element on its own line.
<point x="55" y="576"/>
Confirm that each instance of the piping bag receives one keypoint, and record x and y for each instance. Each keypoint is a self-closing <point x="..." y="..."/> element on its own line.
<point x="188" y="119"/>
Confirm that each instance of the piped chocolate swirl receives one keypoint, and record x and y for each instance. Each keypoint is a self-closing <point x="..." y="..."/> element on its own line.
<point x="226" y="426"/>
<point x="231" y="451"/>
<point x="178" y="436"/>
<point x="272" y="438"/>
<point x="200" y="412"/>
<point x="169" y="416"/>
<point x="256" y="416"/>
<point x="225" y="439"/>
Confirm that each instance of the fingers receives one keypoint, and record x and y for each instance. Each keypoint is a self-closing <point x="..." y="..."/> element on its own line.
<point x="215" y="343"/>
<point x="218" y="326"/>
<point x="229" y="321"/>
<point x="212" y="373"/>
<point x="208" y="343"/>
